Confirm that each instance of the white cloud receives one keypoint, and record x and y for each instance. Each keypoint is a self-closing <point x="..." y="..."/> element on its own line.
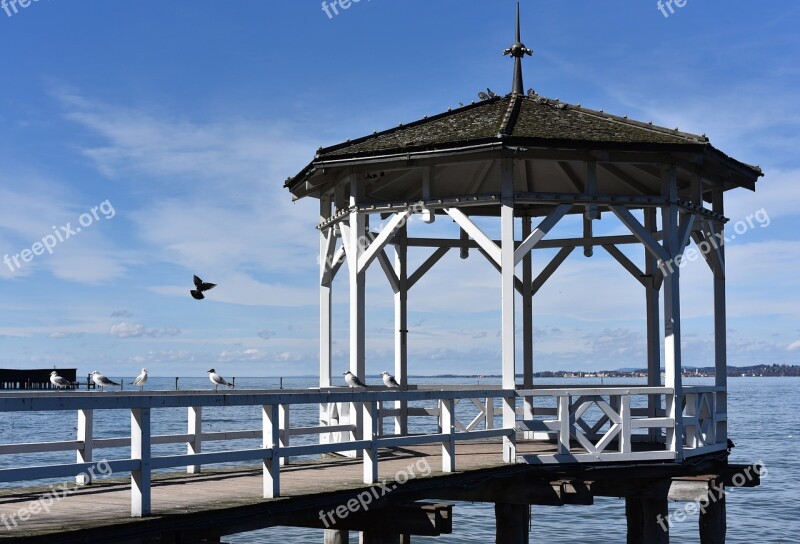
<point x="135" y="330"/>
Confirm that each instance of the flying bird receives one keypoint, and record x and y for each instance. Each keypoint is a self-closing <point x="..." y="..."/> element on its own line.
<point x="389" y="380"/>
<point x="101" y="381"/>
<point x="217" y="380"/>
<point x="58" y="381"/>
<point x="141" y="379"/>
<point x="200" y="286"/>
<point x="352" y="380"/>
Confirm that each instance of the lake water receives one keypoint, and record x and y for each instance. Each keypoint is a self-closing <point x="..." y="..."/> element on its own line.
<point x="761" y="422"/>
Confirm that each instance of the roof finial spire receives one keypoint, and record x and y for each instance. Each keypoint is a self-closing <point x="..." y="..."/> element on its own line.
<point x="518" y="51"/>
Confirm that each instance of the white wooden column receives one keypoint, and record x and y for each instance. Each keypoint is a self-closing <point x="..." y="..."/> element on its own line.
<point x="194" y="428"/>
<point x="356" y="243"/>
<point x="401" y="326"/>
<point x="672" y="312"/>
<point x="86" y="437"/>
<point x="270" y="438"/>
<point x="325" y="293"/>
<point x="720" y="326"/>
<point x="652" y="289"/>
<point x="527" y="325"/>
<point x="507" y="297"/>
<point x="140" y="449"/>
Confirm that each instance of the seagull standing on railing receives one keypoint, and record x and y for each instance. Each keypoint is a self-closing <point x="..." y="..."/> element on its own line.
<point x="352" y="380"/>
<point x="389" y="380"/>
<point x="101" y="381"/>
<point x="141" y="379"/>
<point x="58" y="381"/>
<point x="217" y="380"/>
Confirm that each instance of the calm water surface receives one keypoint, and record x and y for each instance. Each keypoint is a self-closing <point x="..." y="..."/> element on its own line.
<point x="762" y="422"/>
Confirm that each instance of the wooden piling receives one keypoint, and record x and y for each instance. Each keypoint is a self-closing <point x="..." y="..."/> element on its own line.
<point x="333" y="536"/>
<point x="713" y="521"/>
<point x="512" y="523"/>
<point x="647" y="520"/>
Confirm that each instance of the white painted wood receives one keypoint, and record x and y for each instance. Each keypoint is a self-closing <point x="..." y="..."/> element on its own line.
<point x="355" y="247"/>
<point x="39" y="447"/>
<point x="550" y="268"/>
<point x="625" y="430"/>
<point x="447" y="423"/>
<point x="642" y="234"/>
<point x="507" y="262"/>
<point x="564" y="424"/>
<point x="140" y="450"/>
<point x="284" y="424"/>
<point x="370" y="463"/>
<point x="401" y="327"/>
<point x="195" y="429"/>
<point x="627" y="264"/>
<point x="541" y="231"/>
<point x="517" y="282"/>
<point x="271" y="468"/>
<point x="554" y="243"/>
<point x="86" y="438"/>
<point x="527" y="324"/>
<point x="720" y="330"/>
<point x="327" y="256"/>
<point x="653" y="329"/>
<point x="388" y="271"/>
<point x="476" y="233"/>
<point x="426" y="265"/>
<point x="395" y="223"/>
<point x="672" y="315"/>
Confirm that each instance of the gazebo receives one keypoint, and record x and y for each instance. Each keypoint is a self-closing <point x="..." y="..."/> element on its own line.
<point x="529" y="161"/>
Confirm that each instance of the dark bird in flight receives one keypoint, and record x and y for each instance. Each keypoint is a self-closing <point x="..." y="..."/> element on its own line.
<point x="201" y="286"/>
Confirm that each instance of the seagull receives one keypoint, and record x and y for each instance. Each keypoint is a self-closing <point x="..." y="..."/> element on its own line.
<point x="217" y="380"/>
<point x="141" y="379"/>
<point x="389" y="380"/>
<point x="352" y="380"/>
<point x="58" y="381"/>
<point x="492" y="94"/>
<point x="201" y="286"/>
<point x="101" y="381"/>
<point x="483" y="96"/>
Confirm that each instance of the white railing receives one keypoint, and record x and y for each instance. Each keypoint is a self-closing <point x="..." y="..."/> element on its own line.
<point x="587" y="424"/>
<point x="591" y="424"/>
<point x="275" y="432"/>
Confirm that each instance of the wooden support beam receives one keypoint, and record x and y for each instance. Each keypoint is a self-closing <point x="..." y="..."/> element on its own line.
<point x="541" y="231"/>
<point x="379" y="517"/>
<point x="550" y="268"/>
<point x="507" y="261"/>
<point x="652" y="290"/>
<point x="401" y="327"/>
<point x="477" y="234"/>
<point x="672" y="317"/>
<point x="627" y="264"/>
<point x="713" y="523"/>
<point x="543" y="244"/>
<point x="356" y="239"/>
<point x="527" y="325"/>
<point x="572" y="176"/>
<point x="427" y="265"/>
<point x="517" y="282"/>
<point x="194" y="428"/>
<point x="479" y="177"/>
<point x="334" y="536"/>
<point x="140" y="449"/>
<point x="271" y="467"/>
<point x="396" y="223"/>
<point x="388" y="270"/>
<point x="86" y="438"/>
<point x="626" y="178"/>
<point x="328" y="261"/>
<point x="645" y="237"/>
<point x="720" y="328"/>
<point x="512" y="522"/>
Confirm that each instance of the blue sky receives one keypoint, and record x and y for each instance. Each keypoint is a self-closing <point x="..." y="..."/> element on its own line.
<point x="185" y="118"/>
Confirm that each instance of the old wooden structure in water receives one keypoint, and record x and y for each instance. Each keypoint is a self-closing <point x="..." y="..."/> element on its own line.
<point x="524" y="162"/>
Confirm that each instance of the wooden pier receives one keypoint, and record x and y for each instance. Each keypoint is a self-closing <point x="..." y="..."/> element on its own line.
<point x="464" y="460"/>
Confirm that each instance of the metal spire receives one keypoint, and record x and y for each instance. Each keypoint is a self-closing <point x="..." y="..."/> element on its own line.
<point x="518" y="51"/>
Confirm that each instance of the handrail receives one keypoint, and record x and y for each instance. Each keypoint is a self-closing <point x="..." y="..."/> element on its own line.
<point x="366" y="437"/>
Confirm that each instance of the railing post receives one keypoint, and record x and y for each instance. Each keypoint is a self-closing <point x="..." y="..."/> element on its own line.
<point x="284" y="419"/>
<point x="140" y="449"/>
<point x="195" y="428"/>
<point x="489" y="413"/>
<point x="692" y="422"/>
<point x="625" y="445"/>
<point x="271" y="440"/>
<point x="564" y="424"/>
<point x="448" y="427"/>
<point x="85" y="435"/>
<point x="371" y="434"/>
